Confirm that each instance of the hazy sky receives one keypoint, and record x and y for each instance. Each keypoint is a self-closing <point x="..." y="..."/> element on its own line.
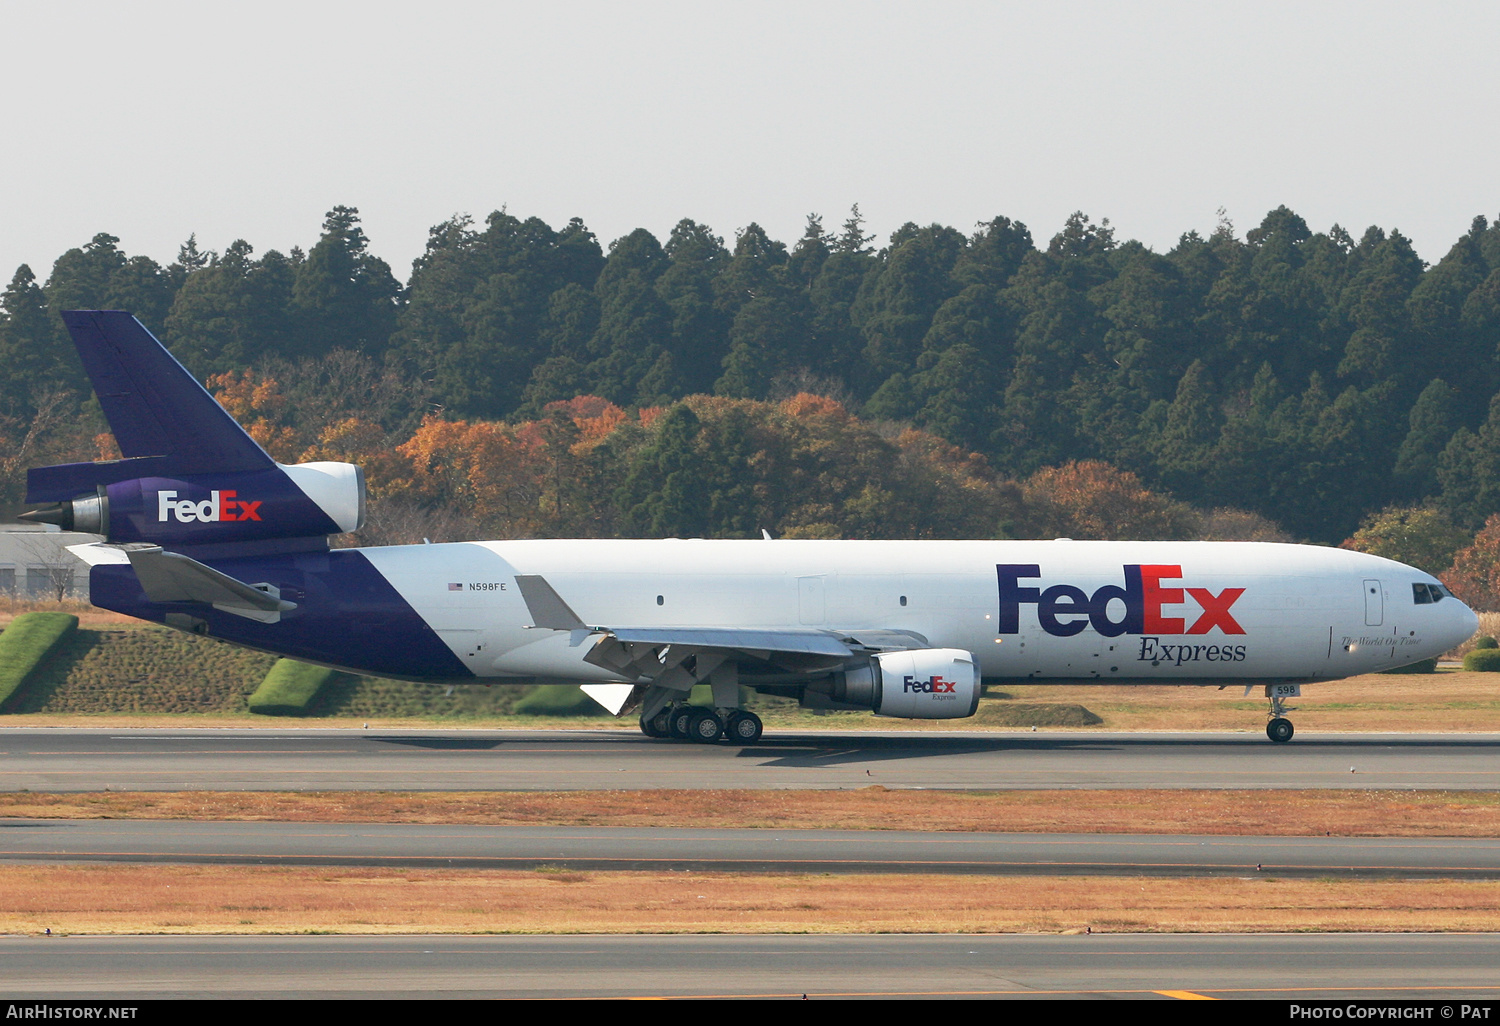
<point x="155" y="120"/>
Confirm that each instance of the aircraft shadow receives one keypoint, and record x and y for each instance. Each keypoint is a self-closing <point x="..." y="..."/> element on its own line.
<point x="791" y="750"/>
<point x="455" y="743"/>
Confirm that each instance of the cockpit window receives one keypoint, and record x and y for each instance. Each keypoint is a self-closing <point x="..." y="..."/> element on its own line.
<point x="1426" y="594"/>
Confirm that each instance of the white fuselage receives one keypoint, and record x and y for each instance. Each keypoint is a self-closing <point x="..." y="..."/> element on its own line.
<point x="1214" y="611"/>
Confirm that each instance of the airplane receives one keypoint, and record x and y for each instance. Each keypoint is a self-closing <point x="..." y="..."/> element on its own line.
<point x="206" y="533"/>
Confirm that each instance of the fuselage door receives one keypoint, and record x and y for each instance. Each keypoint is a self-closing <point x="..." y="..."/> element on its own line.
<point x="1374" y="604"/>
<point x="812" y="601"/>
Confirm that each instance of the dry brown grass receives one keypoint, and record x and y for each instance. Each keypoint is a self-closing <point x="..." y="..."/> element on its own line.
<point x="227" y="899"/>
<point x="1446" y="701"/>
<point x="1279" y="813"/>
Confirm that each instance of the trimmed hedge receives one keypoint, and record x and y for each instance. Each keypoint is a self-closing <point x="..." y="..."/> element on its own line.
<point x="26" y="644"/>
<point x="1035" y="714"/>
<point x="558" y="700"/>
<point x="1421" y="666"/>
<point x="1484" y="660"/>
<point x="288" y="688"/>
<point x="1485" y="641"/>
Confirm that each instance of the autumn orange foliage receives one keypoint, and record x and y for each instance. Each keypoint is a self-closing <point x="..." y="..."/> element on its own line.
<point x="1475" y="574"/>
<point x="1091" y="499"/>
<point x="257" y="403"/>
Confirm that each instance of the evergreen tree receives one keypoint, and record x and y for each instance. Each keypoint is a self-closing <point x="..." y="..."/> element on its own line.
<point x="634" y="324"/>
<point x="917" y="279"/>
<point x="344" y="297"/>
<point x="1432" y="422"/>
<point x="700" y="327"/>
<point x="33" y="359"/>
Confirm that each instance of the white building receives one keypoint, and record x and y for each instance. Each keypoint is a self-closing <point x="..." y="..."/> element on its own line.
<point x="35" y="563"/>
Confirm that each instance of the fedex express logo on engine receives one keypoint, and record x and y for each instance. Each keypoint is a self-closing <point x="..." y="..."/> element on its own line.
<point x="930" y="686"/>
<point x="217" y="508"/>
<point x="1063" y="609"/>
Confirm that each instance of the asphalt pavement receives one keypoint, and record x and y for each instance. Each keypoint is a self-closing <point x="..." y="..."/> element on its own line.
<point x="295" y="759"/>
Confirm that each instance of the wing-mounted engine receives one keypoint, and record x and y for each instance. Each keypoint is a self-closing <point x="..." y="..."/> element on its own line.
<point x="917" y="684"/>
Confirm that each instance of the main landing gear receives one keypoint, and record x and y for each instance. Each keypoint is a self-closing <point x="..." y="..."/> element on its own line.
<point x="703" y="725"/>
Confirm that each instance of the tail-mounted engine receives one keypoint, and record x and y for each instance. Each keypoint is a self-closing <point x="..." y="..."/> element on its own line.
<point x="307" y="500"/>
<point x="191" y="476"/>
<point x="921" y="684"/>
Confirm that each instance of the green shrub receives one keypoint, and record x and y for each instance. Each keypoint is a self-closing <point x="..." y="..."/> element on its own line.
<point x="26" y="644"/>
<point x="1422" y="666"/>
<point x="1484" y="660"/>
<point x="558" y="700"/>
<point x="288" y="688"/>
<point x="1485" y="641"/>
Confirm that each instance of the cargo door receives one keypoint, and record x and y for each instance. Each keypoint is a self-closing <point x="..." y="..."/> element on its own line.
<point x="812" y="602"/>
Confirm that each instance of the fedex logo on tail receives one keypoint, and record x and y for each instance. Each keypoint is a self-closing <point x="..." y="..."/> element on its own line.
<point x="217" y="508"/>
<point x="1064" y="610"/>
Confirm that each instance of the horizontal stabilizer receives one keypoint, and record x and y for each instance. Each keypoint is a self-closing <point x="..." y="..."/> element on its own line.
<point x="173" y="577"/>
<point x="154" y="406"/>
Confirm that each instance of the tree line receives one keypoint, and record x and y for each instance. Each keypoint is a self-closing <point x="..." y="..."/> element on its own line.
<point x="1312" y="379"/>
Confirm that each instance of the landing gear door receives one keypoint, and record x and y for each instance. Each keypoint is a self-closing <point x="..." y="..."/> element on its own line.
<point x="1374" y="604"/>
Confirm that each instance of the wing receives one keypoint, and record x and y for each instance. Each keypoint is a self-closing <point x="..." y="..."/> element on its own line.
<point x="678" y="657"/>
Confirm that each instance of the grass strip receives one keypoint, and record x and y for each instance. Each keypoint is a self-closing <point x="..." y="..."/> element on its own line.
<point x="288" y="688"/>
<point x="25" y="646"/>
<point x="1341" y="813"/>
<point x="121" y="899"/>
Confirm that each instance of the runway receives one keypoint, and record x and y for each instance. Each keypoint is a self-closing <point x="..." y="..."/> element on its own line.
<point x="1436" y="968"/>
<point x="318" y="759"/>
<point x="766" y="850"/>
<point x="288" y="757"/>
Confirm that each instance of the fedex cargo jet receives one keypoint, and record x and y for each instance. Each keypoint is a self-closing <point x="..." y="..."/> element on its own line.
<point x="206" y="533"/>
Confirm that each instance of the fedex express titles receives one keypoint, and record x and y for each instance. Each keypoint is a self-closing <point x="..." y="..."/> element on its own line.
<point x="220" y="506"/>
<point x="1064" y="610"/>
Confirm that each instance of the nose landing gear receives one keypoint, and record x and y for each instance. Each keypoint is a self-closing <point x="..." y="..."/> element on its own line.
<point x="1280" y="729"/>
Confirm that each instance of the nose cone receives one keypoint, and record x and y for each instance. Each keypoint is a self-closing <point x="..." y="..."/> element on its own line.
<point x="1462" y="622"/>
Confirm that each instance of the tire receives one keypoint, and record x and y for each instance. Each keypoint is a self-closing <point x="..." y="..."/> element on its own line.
<point x="1280" y="730"/>
<point x="743" y="728"/>
<point x="680" y="722"/>
<point x="656" y="726"/>
<point x="706" y="727"/>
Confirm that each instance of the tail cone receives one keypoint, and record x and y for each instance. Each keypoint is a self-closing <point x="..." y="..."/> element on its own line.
<point x="61" y="515"/>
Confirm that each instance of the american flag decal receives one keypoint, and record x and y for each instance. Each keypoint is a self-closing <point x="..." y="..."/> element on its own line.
<point x="455" y="587"/>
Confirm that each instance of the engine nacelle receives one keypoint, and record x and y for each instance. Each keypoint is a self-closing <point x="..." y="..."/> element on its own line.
<point x="923" y="684"/>
<point x="306" y="500"/>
